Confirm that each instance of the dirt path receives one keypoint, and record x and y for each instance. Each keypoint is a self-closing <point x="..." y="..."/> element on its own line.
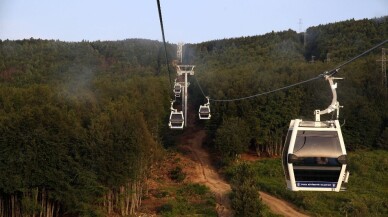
<point x="280" y="207"/>
<point x="206" y="174"/>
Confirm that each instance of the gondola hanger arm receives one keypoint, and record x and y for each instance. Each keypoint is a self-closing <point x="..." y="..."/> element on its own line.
<point x="208" y="101"/>
<point x="172" y="106"/>
<point x="334" y="103"/>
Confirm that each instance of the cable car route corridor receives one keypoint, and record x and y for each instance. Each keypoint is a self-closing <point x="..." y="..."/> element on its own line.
<point x="204" y="172"/>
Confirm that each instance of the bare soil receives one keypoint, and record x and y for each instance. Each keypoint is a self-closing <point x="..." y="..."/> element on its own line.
<point x="204" y="173"/>
<point x="279" y="206"/>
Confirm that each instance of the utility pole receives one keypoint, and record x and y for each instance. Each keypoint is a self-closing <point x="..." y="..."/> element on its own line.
<point x="383" y="61"/>
<point x="384" y="67"/>
<point x="328" y="57"/>
<point x="179" y="52"/>
<point x="300" y="25"/>
<point x="301" y="31"/>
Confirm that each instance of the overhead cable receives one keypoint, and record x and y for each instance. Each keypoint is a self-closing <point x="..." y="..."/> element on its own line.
<point x="164" y="41"/>
<point x="322" y="75"/>
<point x="265" y="93"/>
<point x="200" y="87"/>
<point x="334" y="71"/>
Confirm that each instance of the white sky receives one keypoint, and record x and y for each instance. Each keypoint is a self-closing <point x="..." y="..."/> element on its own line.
<point x="189" y="21"/>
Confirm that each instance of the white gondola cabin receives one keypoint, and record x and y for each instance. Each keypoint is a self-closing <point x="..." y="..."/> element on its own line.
<point x="177" y="90"/>
<point x="176" y="120"/>
<point x="314" y="156"/>
<point x="204" y="110"/>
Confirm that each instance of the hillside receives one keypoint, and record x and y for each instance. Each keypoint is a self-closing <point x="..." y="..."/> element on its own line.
<point x="253" y="65"/>
<point x="84" y="123"/>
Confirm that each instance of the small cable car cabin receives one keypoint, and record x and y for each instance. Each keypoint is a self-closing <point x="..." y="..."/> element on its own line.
<point x="314" y="156"/>
<point x="177" y="90"/>
<point x="204" y="110"/>
<point x="177" y="119"/>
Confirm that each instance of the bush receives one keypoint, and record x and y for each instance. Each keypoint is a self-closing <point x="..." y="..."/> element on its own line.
<point x="177" y="174"/>
<point x="246" y="201"/>
<point x="165" y="208"/>
<point x="194" y="189"/>
<point x="245" y="196"/>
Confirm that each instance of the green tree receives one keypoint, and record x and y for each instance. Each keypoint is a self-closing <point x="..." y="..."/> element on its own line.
<point x="232" y="139"/>
<point x="245" y="196"/>
<point x="383" y="140"/>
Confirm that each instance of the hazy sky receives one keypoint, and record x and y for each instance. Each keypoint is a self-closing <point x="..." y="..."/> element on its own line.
<point x="189" y="21"/>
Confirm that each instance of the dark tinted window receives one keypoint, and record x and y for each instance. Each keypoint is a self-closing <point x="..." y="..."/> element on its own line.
<point x="317" y="161"/>
<point x="177" y="117"/>
<point x="317" y="175"/>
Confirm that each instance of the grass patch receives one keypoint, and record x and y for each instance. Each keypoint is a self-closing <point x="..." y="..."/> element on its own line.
<point x="193" y="189"/>
<point x="190" y="200"/>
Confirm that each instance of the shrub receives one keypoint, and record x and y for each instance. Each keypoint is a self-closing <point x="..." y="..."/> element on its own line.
<point x="177" y="174"/>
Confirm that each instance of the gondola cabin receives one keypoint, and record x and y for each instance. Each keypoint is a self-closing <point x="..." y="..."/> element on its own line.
<point x="176" y="120"/>
<point x="204" y="112"/>
<point x="177" y="90"/>
<point x="314" y="156"/>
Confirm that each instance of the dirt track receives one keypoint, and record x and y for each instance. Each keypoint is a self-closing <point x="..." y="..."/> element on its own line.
<point x="206" y="174"/>
<point x="279" y="206"/>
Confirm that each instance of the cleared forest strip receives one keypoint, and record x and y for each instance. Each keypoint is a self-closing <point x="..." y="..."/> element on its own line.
<point x="206" y="174"/>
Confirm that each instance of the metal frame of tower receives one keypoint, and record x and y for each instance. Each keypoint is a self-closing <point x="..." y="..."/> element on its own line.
<point x="300" y="25"/>
<point x="179" y="52"/>
<point x="384" y="67"/>
<point x="301" y="31"/>
<point x="185" y="70"/>
<point x="383" y="61"/>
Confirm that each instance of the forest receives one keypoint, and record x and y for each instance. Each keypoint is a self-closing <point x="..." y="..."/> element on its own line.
<point x="235" y="68"/>
<point x="83" y="122"/>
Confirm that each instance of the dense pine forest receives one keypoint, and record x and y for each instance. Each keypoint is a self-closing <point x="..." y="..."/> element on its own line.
<point x="82" y="123"/>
